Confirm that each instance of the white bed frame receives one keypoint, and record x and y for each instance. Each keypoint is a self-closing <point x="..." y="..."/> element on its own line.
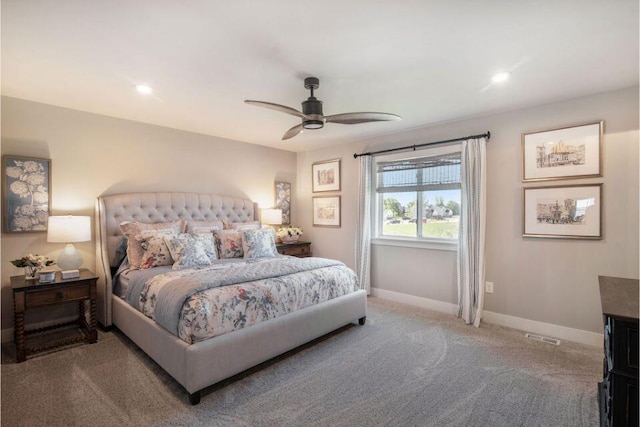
<point x="197" y="366"/>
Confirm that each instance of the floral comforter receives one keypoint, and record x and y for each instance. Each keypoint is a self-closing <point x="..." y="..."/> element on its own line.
<point x="197" y="304"/>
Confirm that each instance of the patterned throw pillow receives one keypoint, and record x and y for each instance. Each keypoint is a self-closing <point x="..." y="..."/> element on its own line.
<point x="229" y="244"/>
<point x="133" y="229"/>
<point x="199" y="227"/>
<point x="209" y="245"/>
<point x="259" y="243"/>
<point x="156" y="252"/>
<point x="187" y="250"/>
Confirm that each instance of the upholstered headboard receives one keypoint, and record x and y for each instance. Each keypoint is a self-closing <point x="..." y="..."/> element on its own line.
<point x="152" y="208"/>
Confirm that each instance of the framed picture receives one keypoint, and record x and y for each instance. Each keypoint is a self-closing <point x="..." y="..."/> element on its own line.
<point x="326" y="176"/>
<point x="26" y="195"/>
<point x="565" y="212"/>
<point x="326" y="211"/>
<point x="283" y="201"/>
<point x="563" y="153"/>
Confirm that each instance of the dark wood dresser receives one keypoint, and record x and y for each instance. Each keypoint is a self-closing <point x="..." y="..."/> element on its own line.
<point x="618" y="392"/>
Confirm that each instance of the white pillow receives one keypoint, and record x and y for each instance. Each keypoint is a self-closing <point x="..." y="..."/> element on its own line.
<point x="198" y="227"/>
<point x="187" y="250"/>
<point x="247" y="225"/>
<point x="259" y="243"/>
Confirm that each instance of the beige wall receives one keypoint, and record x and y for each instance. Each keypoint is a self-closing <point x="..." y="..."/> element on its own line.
<point x="544" y="280"/>
<point x="552" y="281"/>
<point x="95" y="155"/>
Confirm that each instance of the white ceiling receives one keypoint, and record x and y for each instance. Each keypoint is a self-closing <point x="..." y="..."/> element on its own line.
<point x="427" y="61"/>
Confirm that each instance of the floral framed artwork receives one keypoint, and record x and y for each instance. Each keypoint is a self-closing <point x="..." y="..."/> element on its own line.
<point x="564" y="212"/>
<point x="563" y="153"/>
<point x="325" y="175"/>
<point x="326" y="211"/>
<point x="26" y="195"/>
<point x="283" y="201"/>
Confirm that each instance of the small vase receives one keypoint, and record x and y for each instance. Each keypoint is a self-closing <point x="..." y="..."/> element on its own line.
<point x="31" y="273"/>
<point x="289" y="239"/>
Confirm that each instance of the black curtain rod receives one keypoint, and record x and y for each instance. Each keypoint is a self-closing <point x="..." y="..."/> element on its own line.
<point x="413" y="147"/>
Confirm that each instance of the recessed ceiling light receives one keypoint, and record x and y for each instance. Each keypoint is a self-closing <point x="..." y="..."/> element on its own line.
<point x="144" y="89"/>
<point x="500" y="77"/>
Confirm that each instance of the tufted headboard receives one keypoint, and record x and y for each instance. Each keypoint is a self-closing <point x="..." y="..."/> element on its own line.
<point x="152" y="208"/>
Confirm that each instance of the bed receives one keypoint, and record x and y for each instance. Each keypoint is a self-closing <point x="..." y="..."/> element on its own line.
<point x="202" y="361"/>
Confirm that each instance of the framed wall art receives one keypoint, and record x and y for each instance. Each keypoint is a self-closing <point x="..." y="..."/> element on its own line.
<point x="26" y="195"/>
<point x="326" y="176"/>
<point x="326" y="211"/>
<point x="566" y="212"/>
<point x="563" y="153"/>
<point x="283" y="201"/>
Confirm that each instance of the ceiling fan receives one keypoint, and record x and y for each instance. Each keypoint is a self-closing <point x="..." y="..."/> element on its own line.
<point x="312" y="117"/>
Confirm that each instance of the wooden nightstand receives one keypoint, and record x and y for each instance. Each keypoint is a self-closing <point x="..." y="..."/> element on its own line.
<point x="29" y="294"/>
<point x="298" y="249"/>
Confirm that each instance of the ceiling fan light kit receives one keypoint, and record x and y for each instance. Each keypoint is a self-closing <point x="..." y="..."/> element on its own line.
<point x="313" y="117"/>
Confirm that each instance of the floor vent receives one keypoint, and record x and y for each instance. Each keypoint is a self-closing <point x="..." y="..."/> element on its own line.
<point x="548" y="340"/>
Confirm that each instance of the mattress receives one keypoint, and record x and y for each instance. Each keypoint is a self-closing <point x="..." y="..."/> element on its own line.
<point x="199" y="303"/>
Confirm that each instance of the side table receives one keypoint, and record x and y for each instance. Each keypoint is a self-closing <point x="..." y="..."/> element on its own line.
<point x="32" y="293"/>
<point x="298" y="249"/>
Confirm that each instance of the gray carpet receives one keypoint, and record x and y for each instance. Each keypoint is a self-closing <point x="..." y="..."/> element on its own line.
<point x="406" y="367"/>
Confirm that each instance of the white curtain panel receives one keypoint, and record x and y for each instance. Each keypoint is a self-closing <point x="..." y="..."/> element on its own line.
<point x="363" y="228"/>
<point x="472" y="231"/>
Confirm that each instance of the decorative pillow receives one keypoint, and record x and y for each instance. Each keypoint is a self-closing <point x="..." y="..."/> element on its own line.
<point x="248" y="225"/>
<point x="229" y="244"/>
<point x="187" y="250"/>
<point x="156" y="252"/>
<point x="209" y="245"/>
<point x="133" y="229"/>
<point x="259" y="243"/>
<point x="199" y="227"/>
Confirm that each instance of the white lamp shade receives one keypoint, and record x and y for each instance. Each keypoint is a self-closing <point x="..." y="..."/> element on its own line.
<point x="68" y="229"/>
<point x="271" y="216"/>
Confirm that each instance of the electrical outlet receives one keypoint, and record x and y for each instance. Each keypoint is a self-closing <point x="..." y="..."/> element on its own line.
<point x="488" y="287"/>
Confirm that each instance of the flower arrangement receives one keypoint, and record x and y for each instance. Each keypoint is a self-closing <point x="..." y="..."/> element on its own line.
<point x="33" y="261"/>
<point x="33" y="264"/>
<point x="289" y="232"/>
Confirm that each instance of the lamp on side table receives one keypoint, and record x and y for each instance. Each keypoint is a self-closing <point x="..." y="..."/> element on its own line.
<point x="69" y="229"/>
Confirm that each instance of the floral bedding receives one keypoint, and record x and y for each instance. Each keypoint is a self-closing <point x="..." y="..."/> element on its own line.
<point x="217" y="299"/>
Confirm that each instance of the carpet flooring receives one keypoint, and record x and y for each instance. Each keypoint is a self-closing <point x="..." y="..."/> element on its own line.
<point x="406" y="367"/>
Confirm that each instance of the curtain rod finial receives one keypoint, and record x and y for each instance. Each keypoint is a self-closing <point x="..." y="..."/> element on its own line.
<point x="488" y="134"/>
<point x="355" y="155"/>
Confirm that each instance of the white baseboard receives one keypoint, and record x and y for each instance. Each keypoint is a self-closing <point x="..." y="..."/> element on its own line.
<point x="547" y="329"/>
<point x="431" y="304"/>
<point x="7" y="334"/>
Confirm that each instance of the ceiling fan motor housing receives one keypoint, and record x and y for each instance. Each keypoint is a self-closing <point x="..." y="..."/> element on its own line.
<point x="312" y="108"/>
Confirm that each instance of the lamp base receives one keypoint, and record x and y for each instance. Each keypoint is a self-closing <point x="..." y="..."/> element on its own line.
<point x="69" y="258"/>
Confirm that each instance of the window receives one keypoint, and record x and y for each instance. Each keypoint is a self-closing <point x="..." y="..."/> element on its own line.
<point x="418" y="198"/>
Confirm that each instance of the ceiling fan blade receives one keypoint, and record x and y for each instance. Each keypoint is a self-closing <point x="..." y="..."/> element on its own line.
<point x="292" y="132"/>
<point x="356" y="118"/>
<point x="277" y="107"/>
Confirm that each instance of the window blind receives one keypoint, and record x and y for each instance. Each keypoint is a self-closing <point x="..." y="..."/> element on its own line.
<point x="419" y="174"/>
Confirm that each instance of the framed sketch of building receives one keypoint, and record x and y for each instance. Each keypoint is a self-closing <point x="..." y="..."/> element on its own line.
<point x="563" y="153"/>
<point x="565" y="212"/>
<point x="325" y="176"/>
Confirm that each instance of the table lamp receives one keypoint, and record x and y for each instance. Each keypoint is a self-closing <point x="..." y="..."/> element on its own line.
<point x="271" y="216"/>
<point x="69" y="229"/>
